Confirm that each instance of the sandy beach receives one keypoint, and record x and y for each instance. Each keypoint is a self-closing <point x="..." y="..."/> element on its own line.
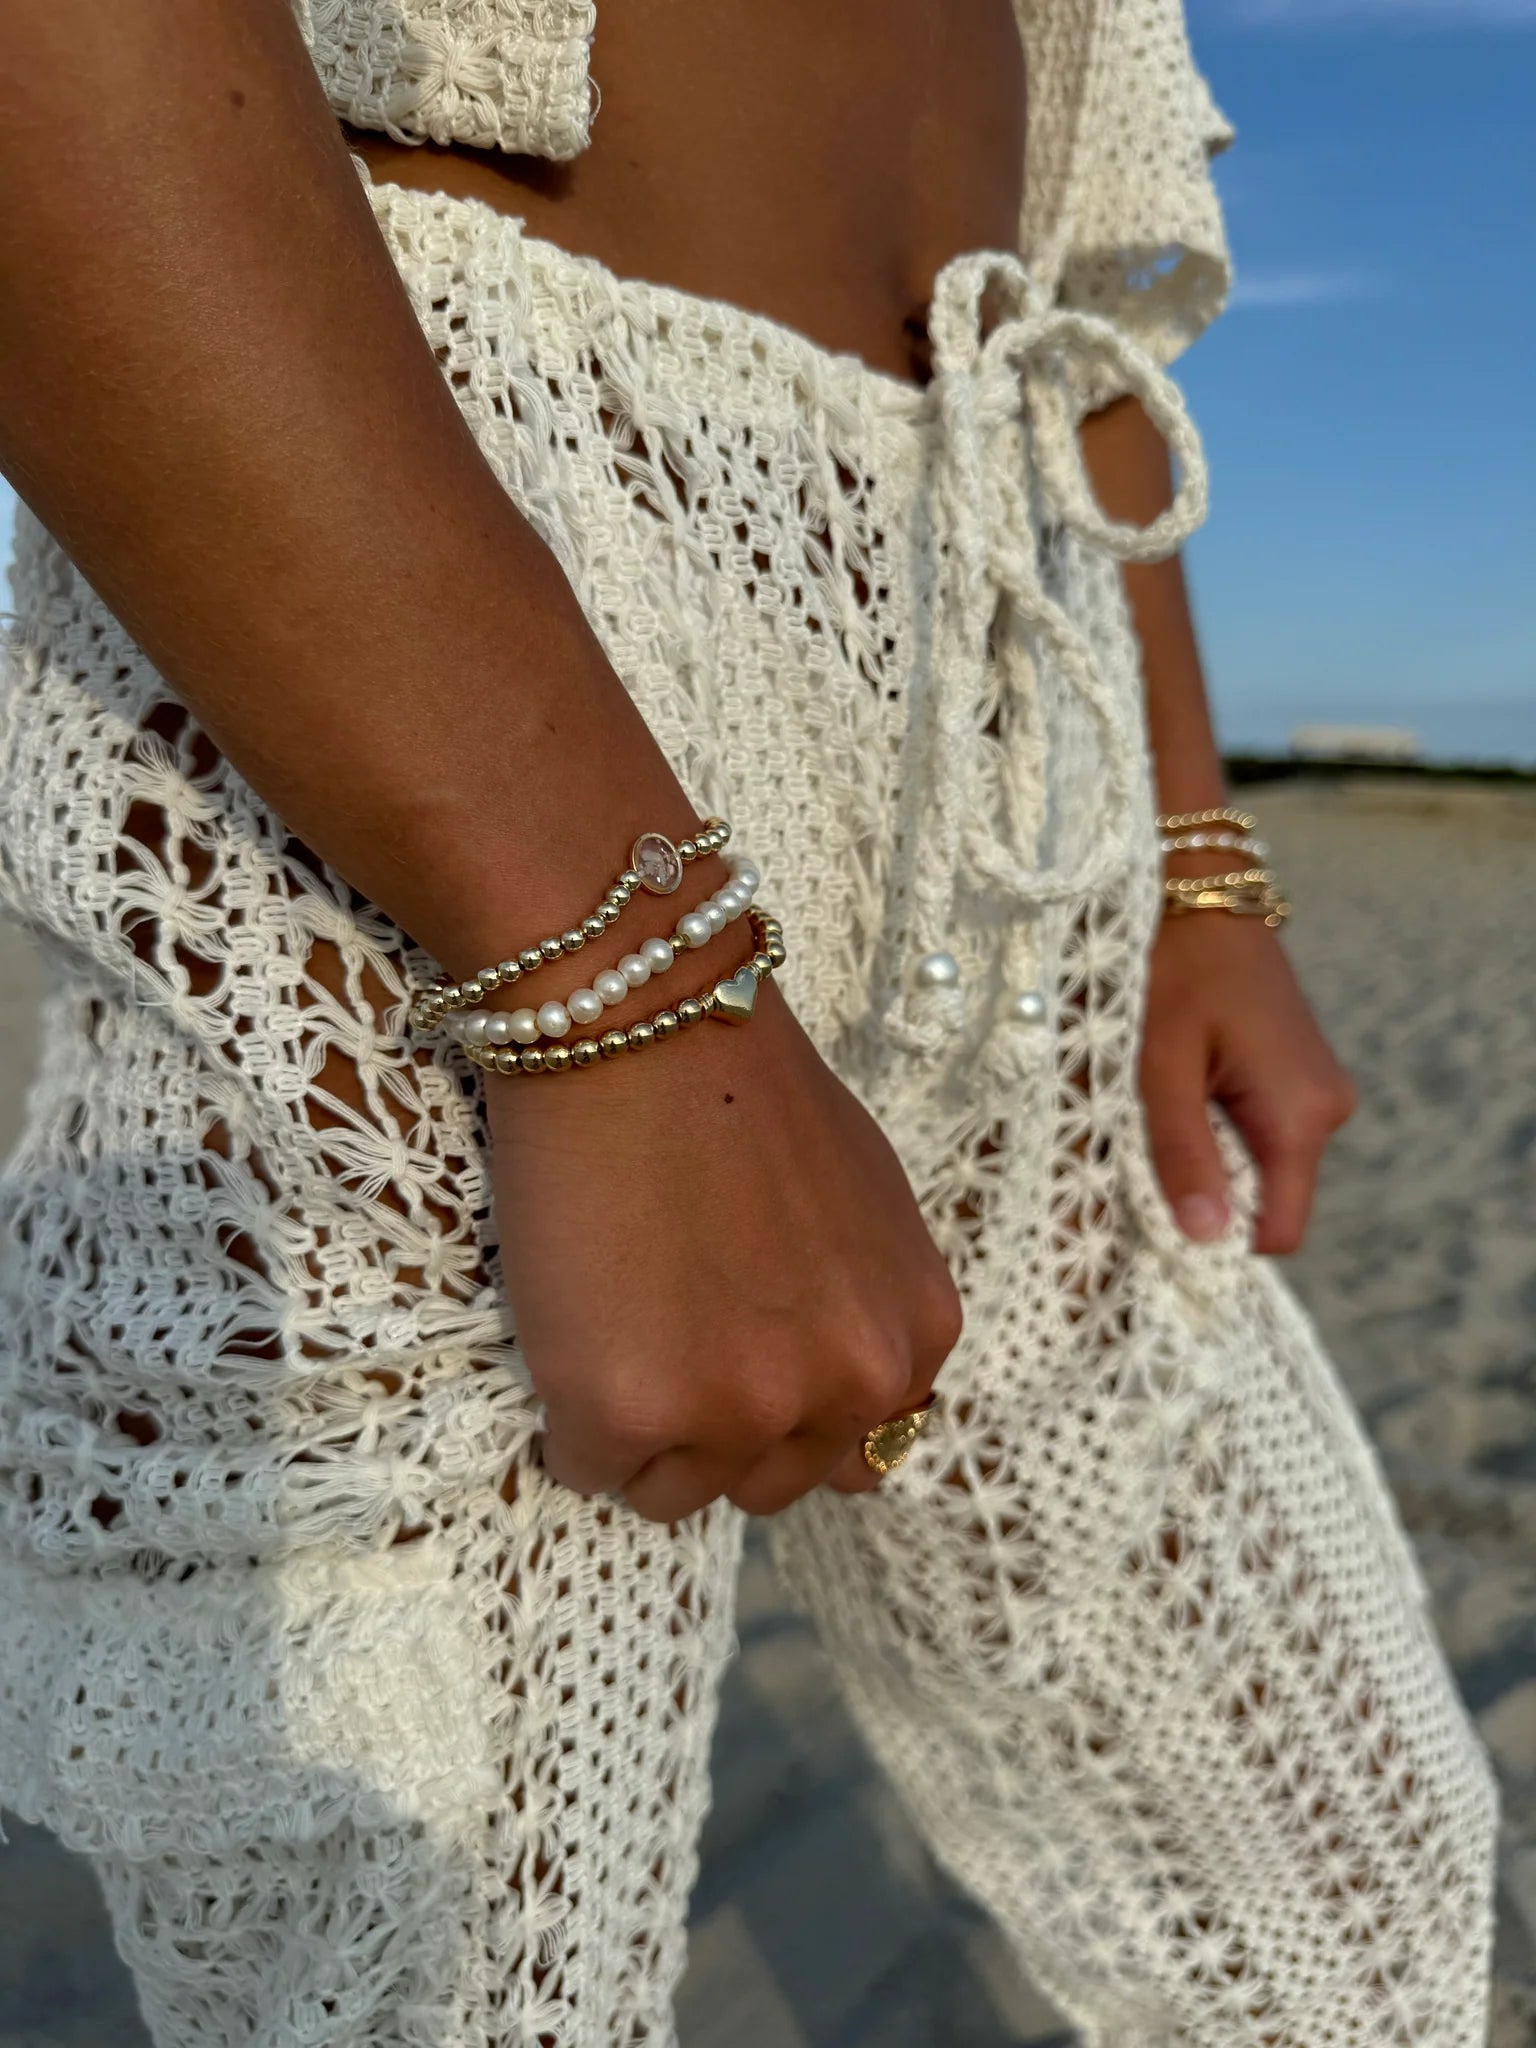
<point x="818" y="1921"/>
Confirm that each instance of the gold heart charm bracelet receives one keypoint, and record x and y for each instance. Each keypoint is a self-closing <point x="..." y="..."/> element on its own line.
<point x="730" y="1000"/>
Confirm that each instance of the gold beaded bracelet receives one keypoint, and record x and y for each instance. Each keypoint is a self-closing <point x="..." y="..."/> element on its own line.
<point x="655" y="865"/>
<point x="1249" y="893"/>
<point x="1245" y="892"/>
<point x="1191" y="821"/>
<point x="731" y="1000"/>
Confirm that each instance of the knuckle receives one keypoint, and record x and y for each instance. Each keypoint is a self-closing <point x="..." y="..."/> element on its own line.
<point x="942" y="1315"/>
<point x="876" y="1382"/>
<point x="1321" y="1105"/>
<point x="768" y="1409"/>
<point x="639" y="1429"/>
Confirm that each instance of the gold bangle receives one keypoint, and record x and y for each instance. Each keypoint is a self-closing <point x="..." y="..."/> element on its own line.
<point x="1191" y="821"/>
<point x="431" y="1004"/>
<point x="730" y="999"/>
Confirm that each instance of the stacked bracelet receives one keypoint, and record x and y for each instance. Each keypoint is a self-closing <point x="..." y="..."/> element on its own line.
<point x="1245" y="892"/>
<point x="655" y="865"/>
<point x="730" y="1000"/>
<point x="1191" y="821"/>
<point x="585" y="1005"/>
<point x="1230" y="842"/>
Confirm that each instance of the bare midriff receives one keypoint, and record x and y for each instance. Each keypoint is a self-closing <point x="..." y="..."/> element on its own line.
<point x="815" y="163"/>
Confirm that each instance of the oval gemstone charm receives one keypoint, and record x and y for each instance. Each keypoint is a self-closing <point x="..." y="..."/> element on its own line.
<point x="657" y="862"/>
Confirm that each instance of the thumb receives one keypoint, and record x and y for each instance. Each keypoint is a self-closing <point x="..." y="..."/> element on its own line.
<point x="1183" y="1144"/>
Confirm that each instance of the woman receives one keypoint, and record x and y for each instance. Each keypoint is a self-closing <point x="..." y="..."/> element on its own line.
<point x="387" y="1383"/>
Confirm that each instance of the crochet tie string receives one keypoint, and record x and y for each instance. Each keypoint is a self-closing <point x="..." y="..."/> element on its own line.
<point x="988" y="553"/>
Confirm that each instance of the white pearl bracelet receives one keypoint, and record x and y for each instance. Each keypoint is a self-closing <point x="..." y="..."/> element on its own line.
<point x="1235" y="842"/>
<point x="585" y="1005"/>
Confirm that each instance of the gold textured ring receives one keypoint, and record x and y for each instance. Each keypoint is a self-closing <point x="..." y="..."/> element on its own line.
<point x="888" y="1443"/>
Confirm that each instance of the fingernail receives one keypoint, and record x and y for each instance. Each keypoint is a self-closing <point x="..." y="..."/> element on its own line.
<point x="1201" y="1217"/>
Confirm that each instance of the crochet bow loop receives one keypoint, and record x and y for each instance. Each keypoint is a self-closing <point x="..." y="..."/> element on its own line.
<point x="988" y="551"/>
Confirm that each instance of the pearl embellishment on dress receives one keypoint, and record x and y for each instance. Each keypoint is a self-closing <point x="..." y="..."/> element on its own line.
<point x="937" y="970"/>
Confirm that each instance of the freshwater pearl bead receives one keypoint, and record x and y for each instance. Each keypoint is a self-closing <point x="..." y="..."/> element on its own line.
<point x="694" y="929"/>
<point x="1028" y="1007"/>
<point x="525" y="1026"/>
<point x="636" y="969"/>
<point x="611" y="986"/>
<point x="659" y="953"/>
<point x="713" y="916"/>
<point x="499" y="1029"/>
<point x="731" y="901"/>
<point x="476" y="1025"/>
<point x="554" y="1020"/>
<point x="937" y="970"/>
<point x="585" y="1005"/>
<point x="747" y="876"/>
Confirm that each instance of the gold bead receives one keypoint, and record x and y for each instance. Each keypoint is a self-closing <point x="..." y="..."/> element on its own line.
<point x="506" y="1059"/>
<point x="776" y="952"/>
<point x="612" y="1043"/>
<point x="609" y="914"/>
<point x="471" y="989"/>
<point x="556" y="1059"/>
<point x="551" y="949"/>
<point x="667" y="1023"/>
<point x="508" y="970"/>
<point x="531" y="1059"/>
<point x="530" y="958"/>
<point x="761" y="966"/>
<point x="585" y="1051"/>
<point x="689" y="1010"/>
<point x="630" y="880"/>
<point x="641" y="1035"/>
<point x="594" y="926"/>
<point x="573" y="940"/>
<point x="488" y="978"/>
<point x="687" y="849"/>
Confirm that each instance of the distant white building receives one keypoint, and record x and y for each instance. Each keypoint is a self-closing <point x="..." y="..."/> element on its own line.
<point x="1355" y="743"/>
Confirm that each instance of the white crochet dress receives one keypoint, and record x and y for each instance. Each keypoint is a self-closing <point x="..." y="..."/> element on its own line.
<point x="1134" y="1629"/>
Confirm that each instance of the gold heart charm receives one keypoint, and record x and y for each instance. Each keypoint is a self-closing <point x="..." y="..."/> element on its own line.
<point x="734" y="998"/>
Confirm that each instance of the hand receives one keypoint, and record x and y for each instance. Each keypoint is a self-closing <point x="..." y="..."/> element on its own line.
<point x="721" y="1277"/>
<point x="1227" y="1022"/>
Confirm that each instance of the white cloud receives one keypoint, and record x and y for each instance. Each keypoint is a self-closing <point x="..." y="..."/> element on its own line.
<point x="1263" y="291"/>
<point x="1405" y="13"/>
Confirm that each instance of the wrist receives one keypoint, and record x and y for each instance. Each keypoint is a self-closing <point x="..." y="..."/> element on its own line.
<point x="664" y="1083"/>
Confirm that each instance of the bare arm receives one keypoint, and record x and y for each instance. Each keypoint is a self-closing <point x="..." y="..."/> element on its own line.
<point x="1226" y="1021"/>
<point x="218" y="397"/>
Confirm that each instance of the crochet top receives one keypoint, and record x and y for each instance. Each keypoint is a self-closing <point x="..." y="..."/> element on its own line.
<point x="1119" y="214"/>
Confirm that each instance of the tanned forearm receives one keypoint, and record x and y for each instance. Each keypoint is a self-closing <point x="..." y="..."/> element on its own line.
<point x="214" y="391"/>
<point x="1127" y="460"/>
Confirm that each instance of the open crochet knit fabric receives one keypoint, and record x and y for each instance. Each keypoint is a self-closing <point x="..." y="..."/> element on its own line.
<point x="379" y="1739"/>
<point x="375" y="1735"/>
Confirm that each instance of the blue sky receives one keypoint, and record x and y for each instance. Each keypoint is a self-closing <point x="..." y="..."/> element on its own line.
<point x="1368" y="403"/>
